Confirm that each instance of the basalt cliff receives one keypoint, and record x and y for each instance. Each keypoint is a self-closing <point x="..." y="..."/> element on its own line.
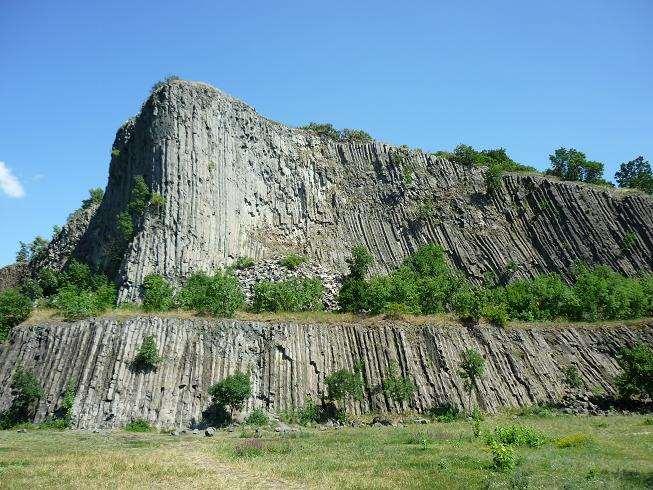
<point x="231" y="183"/>
<point x="237" y="184"/>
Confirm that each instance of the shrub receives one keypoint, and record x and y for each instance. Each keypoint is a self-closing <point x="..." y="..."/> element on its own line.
<point x="396" y="387"/>
<point x="139" y="197"/>
<point x="125" y="226"/>
<point x="30" y="251"/>
<point x="49" y="280"/>
<point x="517" y="435"/>
<point x="138" y="425"/>
<point x="26" y="393"/>
<point x="289" y="295"/>
<point x="636" y="174"/>
<point x="323" y="129"/>
<point x="232" y="391"/>
<point x="493" y="178"/>
<point x="504" y="457"/>
<point x="574" y="440"/>
<point x="637" y="376"/>
<point x="75" y="304"/>
<point x="257" y="417"/>
<point x="244" y="263"/>
<point x="218" y="295"/>
<point x="292" y="261"/>
<point x="157" y="201"/>
<point x="95" y="196"/>
<point x="571" y="164"/>
<point x="446" y="413"/>
<point x="496" y="314"/>
<point x="572" y="377"/>
<point x="15" y="308"/>
<point x="157" y="293"/>
<point x="68" y="403"/>
<point x="343" y="385"/>
<point x="628" y="241"/>
<point x="472" y="366"/>
<point x="147" y="357"/>
<point x="31" y="288"/>
<point x="355" y="136"/>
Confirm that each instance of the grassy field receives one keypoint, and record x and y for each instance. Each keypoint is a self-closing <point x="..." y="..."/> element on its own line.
<point x="614" y="452"/>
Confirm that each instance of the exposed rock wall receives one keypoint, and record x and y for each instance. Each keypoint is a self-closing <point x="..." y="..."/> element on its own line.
<point x="288" y="362"/>
<point x="12" y="275"/>
<point x="236" y="183"/>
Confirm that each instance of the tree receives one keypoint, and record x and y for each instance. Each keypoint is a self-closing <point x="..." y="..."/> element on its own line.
<point x="95" y="196"/>
<point x="323" y="129"/>
<point x="352" y="292"/>
<point x="232" y="391"/>
<point x="29" y="251"/>
<point x="571" y="164"/>
<point x="637" y="376"/>
<point x="26" y="392"/>
<point x="636" y="174"/>
<point x="343" y="384"/>
<point x="472" y="366"/>
<point x="396" y="387"/>
<point x="157" y="293"/>
<point x="15" y="308"/>
<point x="147" y="357"/>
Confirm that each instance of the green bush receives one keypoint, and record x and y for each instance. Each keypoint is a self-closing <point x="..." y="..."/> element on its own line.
<point x="147" y="357"/>
<point x="244" y="263"/>
<point x="257" y="417"/>
<point x="496" y="314"/>
<point x="75" y="304"/>
<point x="571" y="164"/>
<point x="517" y="435"/>
<point x="95" y="196"/>
<point x="157" y="201"/>
<point x="343" y="385"/>
<point x="289" y="295"/>
<point x="232" y="391"/>
<point x="31" y="288"/>
<point x="26" y="393"/>
<point x="328" y="131"/>
<point x="471" y="369"/>
<point x="49" y="281"/>
<point x="636" y="174"/>
<point x="15" y="308"/>
<point x="396" y="387"/>
<point x="125" y="226"/>
<point x="292" y="261"/>
<point x="157" y="293"/>
<point x="138" y="425"/>
<point x="504" y="457"/>
<point x="493" y="176"/>
<point x="219" y="295"/>
<point x="637" y="376"/>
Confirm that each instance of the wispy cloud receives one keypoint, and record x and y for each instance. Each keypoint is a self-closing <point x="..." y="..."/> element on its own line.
<point x="38" y="177"/>
<point x="9" y="183"/>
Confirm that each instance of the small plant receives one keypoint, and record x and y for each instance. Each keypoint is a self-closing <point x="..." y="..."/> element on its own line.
<point x="95" y="196"/>
<point x="257" y="417"/>
<point x="115" y="152"/>
<point x="232" y="391"/>
<point x="572" y="377"/>
<point x="243" y="263"/>
<point x="344" y="385"/>
<point x="290" y="295"/>
<point x="249" y="448"/>
<point x="504" y="457"/>
<point x="67" y="404"/>
<point x="493" y="178"/>
<point x="496" y="314"/>
<point x="517" y="435"/>
<point x="147" y="358"/>
<point x="574" y="440"/>
<point x="628" y="241"/>
<point x="396" y="387"/>
<point x="26" y="393"/>
<point x="292" y="261"/>
<point x="125" y="226"/>
<point x="219" y="295"/>
<point x="138" y="425"/>
<point x="472" y="366"/>
<point x="157" y="201"/>
<point x="157" y="293"/>
<point x="637" y="377"/>
<point x="15" y="308"/>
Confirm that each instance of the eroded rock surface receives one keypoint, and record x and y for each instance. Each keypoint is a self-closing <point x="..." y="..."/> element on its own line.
<point x="288" y="363"/>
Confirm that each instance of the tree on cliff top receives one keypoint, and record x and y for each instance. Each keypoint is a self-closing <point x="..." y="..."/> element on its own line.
<point x="571" y="164"/>
<point x="636" y="174"/>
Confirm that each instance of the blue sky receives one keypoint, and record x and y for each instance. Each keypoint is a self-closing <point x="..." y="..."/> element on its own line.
<point x="429" y="74"/>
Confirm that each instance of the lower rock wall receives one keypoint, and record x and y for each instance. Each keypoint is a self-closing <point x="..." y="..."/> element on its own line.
<point x="288" y="363"/>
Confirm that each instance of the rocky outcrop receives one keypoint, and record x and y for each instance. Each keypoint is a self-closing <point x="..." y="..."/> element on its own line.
<point x="236" y="183"/>
<point x="12" y="275"/>
<point x="288" y="362"/>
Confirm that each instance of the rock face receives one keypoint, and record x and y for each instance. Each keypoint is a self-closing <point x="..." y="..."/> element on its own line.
<point x="12" y="275"/>
<point x="288" y="363"/>
<point x="237" y="184"/>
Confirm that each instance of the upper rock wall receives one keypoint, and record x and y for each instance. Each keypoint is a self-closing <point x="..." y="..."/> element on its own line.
<point x="237" y="184"/>
<point x="288" y="362"/>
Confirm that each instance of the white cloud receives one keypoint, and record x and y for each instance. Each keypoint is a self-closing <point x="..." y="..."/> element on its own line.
<point x="9" y="183"/>
<point x="38" y="177"/>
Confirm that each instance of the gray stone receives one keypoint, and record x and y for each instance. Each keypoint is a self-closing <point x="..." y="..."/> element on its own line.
<point x="288" y="362"/>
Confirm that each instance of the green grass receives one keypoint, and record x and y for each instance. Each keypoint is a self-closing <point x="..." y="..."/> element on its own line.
<point x="435" y="455"/>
